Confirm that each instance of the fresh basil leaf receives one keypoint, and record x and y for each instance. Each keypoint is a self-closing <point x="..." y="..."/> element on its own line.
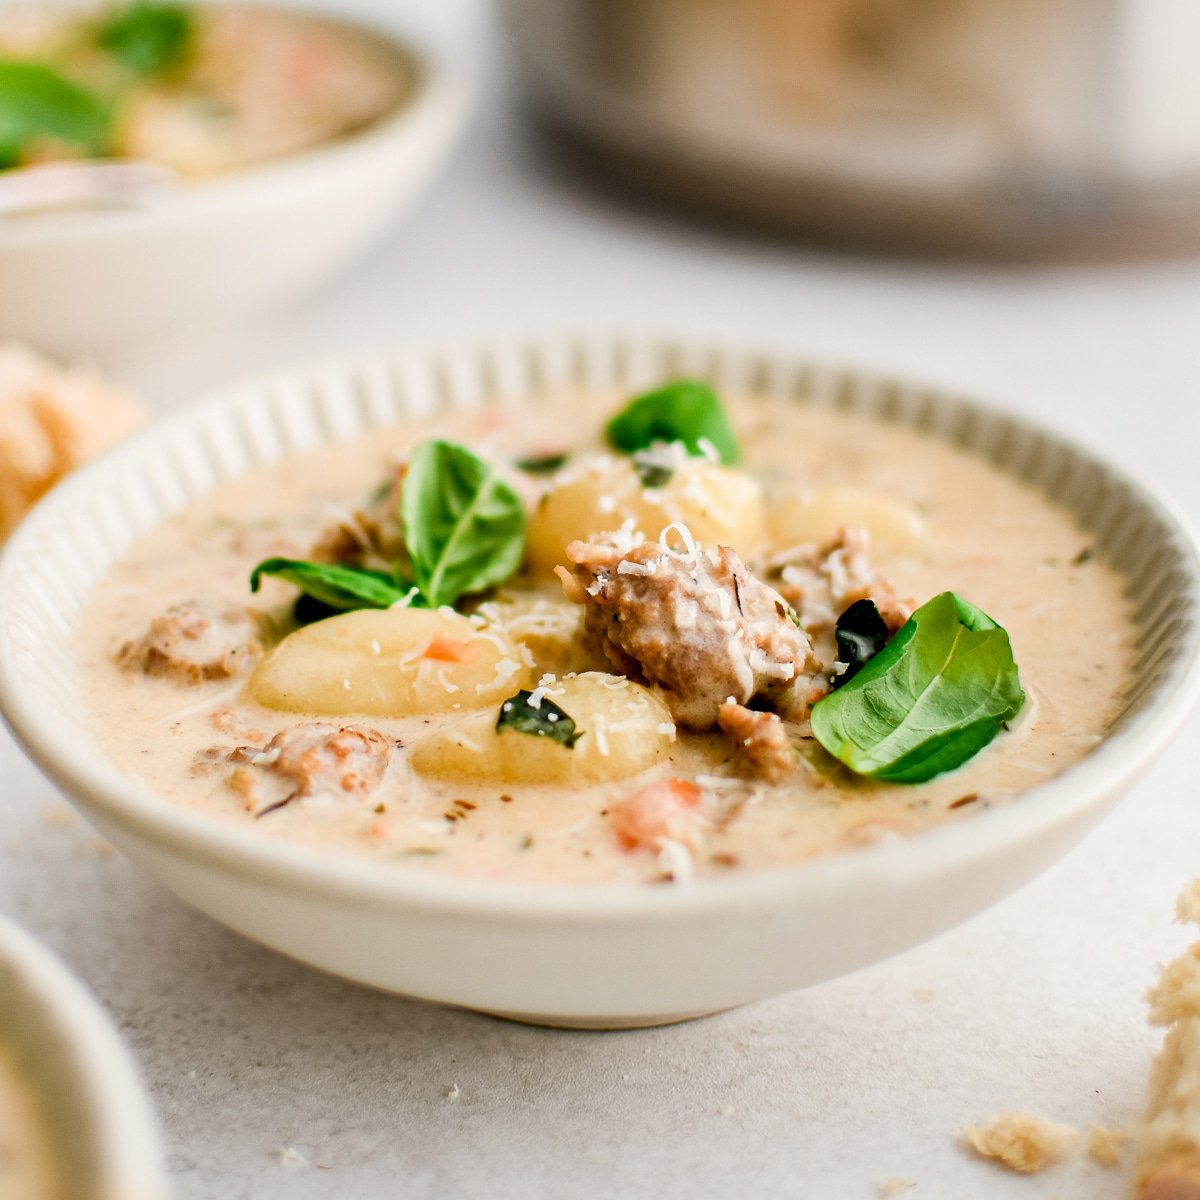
<point x="861" y="634"/>
<point x="148" y="38"/>
<point x="542" y="465"/>
<point x="933" y="698"/>
<point x="339" y="588"/>
<point x="464" y="526"/>
<point x="547" y="720"/>
<point x="36" y="102"/>
<point x="684" y="411"/>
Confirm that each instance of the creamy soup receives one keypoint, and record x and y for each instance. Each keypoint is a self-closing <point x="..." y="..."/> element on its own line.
<point x="200" y="89"/>
<point x="25" y="1161"/>
<point x="433" y="740"/>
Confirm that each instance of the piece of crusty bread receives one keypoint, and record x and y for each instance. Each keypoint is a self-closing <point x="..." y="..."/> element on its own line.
<point x="51" y="419"/>
<point x="1167" y="1166"/>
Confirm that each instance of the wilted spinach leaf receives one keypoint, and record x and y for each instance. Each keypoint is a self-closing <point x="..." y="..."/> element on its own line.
<point x="542" y="465"/>
<point x="546" y="720"/>
<point x="861" y="634"/>
<point x="652" y="474"/>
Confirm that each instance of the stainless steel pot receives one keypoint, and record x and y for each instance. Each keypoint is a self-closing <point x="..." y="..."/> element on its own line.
<point x="1023" y="126"/>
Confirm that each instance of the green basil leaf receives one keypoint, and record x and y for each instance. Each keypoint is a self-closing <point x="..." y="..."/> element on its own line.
<point x="339" y="588"/>
<point x="464" y="527"/>
<point x="148" y="38"/>
<point x="542" y="465"/>
<point x="860" y="633"/>
<point x="547" y="720"/>
<point x="684" y="411"/>
<point x="37" y="102"/>
<point x="933" y="698"/>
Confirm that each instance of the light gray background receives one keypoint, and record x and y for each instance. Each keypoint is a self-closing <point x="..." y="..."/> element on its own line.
<point x="824" y="1094"/>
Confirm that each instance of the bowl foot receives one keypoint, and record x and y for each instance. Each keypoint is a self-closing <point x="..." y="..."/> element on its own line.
<point x="599" y="1024"/>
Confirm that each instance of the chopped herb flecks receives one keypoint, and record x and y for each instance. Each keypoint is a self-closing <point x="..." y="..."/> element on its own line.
<point x="545" y="719"/>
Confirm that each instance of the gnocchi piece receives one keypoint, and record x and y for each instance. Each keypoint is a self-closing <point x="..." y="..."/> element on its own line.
<point x="623" y="728"/>
<point x="393" y="662"/>
<point x="551" y="629"/>
<point x="720" y="505"/>
<point x="811" y="517"/>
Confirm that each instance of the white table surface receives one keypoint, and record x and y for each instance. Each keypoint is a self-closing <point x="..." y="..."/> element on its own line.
<point x="824" y="1094"/>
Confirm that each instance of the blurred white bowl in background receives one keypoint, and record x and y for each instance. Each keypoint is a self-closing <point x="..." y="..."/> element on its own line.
<point x="218" y="251"/>
<point x="94" y="1121"/>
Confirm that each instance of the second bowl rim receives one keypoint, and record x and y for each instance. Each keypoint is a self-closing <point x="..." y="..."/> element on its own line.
<point x="439" y="84"/>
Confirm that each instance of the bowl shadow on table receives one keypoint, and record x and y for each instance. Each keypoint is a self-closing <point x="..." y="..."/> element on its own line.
<point x="226" y="1028"/>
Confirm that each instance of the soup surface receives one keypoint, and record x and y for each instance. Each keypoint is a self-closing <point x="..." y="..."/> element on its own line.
<point x="25" y="1170"/>
<point x="200" y="89"/>
<point x="382" y="733"/>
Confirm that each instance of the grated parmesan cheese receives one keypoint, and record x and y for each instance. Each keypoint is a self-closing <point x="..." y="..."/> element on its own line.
<point x="690" y="550"/>
<point x="625" y="567"/>
<point x="763" y="665"/>
<point x="675" y="860"/>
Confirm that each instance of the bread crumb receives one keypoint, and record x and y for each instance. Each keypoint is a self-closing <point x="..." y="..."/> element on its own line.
<point x="452" y="1092"/>
<point x="52" y="418"/>
<point x="895" y="1187"/>
<point x="290" y="1158"/>
<point x="1021" y="1142"/>
<point x="1187" y="904"/>
<point x="1106" y="1146"/>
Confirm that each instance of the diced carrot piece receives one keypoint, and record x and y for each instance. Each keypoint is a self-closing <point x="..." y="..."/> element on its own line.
<point x="447" y="649"/>
<point x="663" y="810"/>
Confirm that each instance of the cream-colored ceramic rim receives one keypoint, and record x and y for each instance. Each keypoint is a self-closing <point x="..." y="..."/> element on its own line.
<point x="98" y="1123"/>
<point x="69" y="541"/>
<point x="439" y="96"/>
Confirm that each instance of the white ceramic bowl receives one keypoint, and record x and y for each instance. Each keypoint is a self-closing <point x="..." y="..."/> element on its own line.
<point x="218" y="251"/>
<point x="596" y="956"/>
<point x="94" y="1118"/>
